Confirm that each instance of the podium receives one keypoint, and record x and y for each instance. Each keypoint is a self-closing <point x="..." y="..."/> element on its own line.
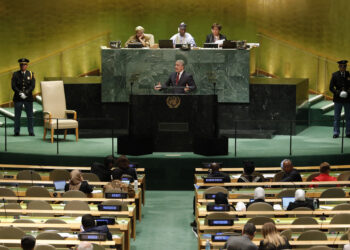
<point x="174" y="121"/>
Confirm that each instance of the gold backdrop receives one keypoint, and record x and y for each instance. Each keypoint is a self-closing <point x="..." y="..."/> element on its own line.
<point x="299" y="38"/>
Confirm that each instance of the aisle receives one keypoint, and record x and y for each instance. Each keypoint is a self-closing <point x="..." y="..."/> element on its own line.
<point x="165" y="223"/>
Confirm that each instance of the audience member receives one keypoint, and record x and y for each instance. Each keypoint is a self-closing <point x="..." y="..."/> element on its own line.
<point x="290" y="174"/>
<point x="259" y="196"/>
<point x="89" y="225"/>
<point x="117" y="186"/>
<point x="77" y="182"/>
<point x="249" y="174"/>
<point x="104" y="171"/>
<point x="85" y="246"/>
<point x="28" y="242"/>
<point x="243" y="242"/>
<point x="123" y="170"/>
<point x="325" y="168"/>
<point x="214" y="171"/>
<point x="272" y="239"/>
<point x="300" y="201"/>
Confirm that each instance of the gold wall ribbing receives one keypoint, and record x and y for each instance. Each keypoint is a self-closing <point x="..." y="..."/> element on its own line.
<point x="299" y="38"/>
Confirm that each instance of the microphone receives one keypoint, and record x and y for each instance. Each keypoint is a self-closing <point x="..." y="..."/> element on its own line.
<point x="3" y="201"/>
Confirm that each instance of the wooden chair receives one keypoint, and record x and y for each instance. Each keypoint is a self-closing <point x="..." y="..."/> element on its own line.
<point x="54" y="109"/>
<point x="74" y="194"/>
<point x="286" y="193"/>
<point x="340" y="219"/>
<point x="39" y="205"/>
<point x="300" y="209"/>
<point x="11" y="233"/>
<point x="37" y="192"/>
<point x="25" y="221"/>
<point x="90" y="177"/>
<point x="28" y="175"/>
<point x="260" y="206"/>
<point x="260" y="220"/>
<point x="44" y="247"/>
<point x="278" y="177"/>
<point x="59" y="175"/>
<point x="287" y="233"/>
<point x="304" y="221"/>
<point x="11" y="206"/>
<point x="344" y="176"/>
<point x="56" y="221"/>
<point x="311" y="235"/>
<point x="6" y="192"/>
<point x="77" y="205"/>
<point x="215" y="190"/>
<point x="333" y="193"/>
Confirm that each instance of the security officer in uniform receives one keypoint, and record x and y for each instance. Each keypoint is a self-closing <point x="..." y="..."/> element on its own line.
<point x="340" y="87"/>
<point x="23" y="83"/>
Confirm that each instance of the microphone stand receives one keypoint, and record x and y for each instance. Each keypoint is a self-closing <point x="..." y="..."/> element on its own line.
<point x="31" y="176"/>
<point x="3" y="202"/>
<point x="18" y="201"/>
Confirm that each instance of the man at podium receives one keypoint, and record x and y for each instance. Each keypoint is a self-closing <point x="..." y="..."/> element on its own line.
<point x="180" y="81"/>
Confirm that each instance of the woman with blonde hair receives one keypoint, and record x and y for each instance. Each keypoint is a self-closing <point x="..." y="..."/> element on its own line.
<point x="139" y="37"/>
<point x="272" y="239"/>
<point x="77" y="182"/>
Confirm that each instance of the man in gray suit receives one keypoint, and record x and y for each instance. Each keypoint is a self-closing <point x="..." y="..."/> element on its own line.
<point x="243" y="242"/>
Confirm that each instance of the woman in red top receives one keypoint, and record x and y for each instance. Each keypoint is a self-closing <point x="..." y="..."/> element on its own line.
<point x="325" y="168"/>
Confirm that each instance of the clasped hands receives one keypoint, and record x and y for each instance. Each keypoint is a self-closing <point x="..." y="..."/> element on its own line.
<point x="22" y="95"/>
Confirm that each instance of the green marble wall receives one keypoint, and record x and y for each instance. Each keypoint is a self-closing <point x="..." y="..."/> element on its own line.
<point x="228" y="68"/>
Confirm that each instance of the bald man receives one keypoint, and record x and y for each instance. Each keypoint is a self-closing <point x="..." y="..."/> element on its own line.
<point x="180" y="81"/>
<point x="290" y="174"/>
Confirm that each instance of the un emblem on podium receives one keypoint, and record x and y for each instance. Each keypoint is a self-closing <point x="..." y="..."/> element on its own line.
<point x="173" y="102"/>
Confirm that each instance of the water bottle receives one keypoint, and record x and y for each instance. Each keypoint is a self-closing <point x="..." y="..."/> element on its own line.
<point x="207" y="245"/>
<point x="136" y="185"/>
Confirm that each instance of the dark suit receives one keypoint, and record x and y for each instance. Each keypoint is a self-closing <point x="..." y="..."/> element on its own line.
<point x="84" y="187"/>
<point x="100" y="229"/>
<point x="293" y="176"/>
<point x="180" y="86"/>
<point x="337" y="84"/>
<point x="103" y="173"/>
<point x="23" y="83"/>
<point x="220" y="174"/>
<point x="307" y="203"/>
<point x="118" y="173"/>
<point x="210" y="38"/>
<point x="240" y="243"/>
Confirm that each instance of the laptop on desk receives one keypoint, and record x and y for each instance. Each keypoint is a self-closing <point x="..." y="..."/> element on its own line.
<point x="59" y="185"/>
<point x="211" y="45"/>
<point x="166" y="44"/>
<point x="286" y="201"/>
<point x="227" y="44"/>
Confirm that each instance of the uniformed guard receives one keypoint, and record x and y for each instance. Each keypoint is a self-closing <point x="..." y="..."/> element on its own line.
<point x="340" y="87"/>
<point x="23" y="84"/>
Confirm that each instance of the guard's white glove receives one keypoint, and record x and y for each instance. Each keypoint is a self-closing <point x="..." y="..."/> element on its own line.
<point x="343" y="94"/>
<point x="22" y="95"/>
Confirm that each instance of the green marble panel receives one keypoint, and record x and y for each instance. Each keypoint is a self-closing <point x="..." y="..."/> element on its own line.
<point x="228" y="68"/>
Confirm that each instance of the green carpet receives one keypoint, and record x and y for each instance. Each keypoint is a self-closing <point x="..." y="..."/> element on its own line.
<point x="174" y="171"/>
<point x="166" y="222"/>
<point x="316" y="140"/>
